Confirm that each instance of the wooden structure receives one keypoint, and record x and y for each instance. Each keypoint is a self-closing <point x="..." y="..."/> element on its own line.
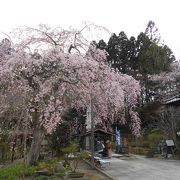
<point x="173" y="100"/>
<point x="99" y="134"/>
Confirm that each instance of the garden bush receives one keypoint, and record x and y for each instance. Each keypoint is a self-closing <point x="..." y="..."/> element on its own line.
<point x="16" y="171"/>
<point x="19" y="170"/>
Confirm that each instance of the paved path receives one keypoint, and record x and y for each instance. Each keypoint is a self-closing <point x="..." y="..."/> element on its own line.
<point x="141" y="168"/>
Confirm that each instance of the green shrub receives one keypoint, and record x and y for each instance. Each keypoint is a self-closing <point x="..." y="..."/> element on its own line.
<point x="45" y="165"/>
<point x="49" y="164"/>
<point x="52" y="161"/>
<point x="61" y="174"/>
<point x="30" y="170"/>
<point x="147" y="144"/>
<point x="16" y="171"/>
<point x="73" y="156"/>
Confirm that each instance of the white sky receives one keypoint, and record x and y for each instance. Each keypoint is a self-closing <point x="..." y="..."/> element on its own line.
<point x="130" y="16"/>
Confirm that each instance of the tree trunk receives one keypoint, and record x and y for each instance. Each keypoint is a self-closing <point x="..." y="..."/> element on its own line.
<point x="13" y="148"/>
<point x="33" y="154"/>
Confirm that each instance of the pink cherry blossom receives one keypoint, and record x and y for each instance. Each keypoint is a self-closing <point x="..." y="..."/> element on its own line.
<point x="55" y="77"/>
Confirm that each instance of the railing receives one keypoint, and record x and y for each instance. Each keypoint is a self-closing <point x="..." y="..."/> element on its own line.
<point x="163" y="97"/>
<point x="172" y="97"/>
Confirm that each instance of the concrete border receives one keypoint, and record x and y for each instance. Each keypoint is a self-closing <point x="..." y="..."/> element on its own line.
<point x="101" y="171"/>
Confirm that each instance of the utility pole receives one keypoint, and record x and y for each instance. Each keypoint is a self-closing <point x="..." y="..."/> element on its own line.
<point x="92" y="132"/>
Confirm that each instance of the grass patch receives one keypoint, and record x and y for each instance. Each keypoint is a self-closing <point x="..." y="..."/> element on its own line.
<point x="20" y="171"/>
<point x="16" y="171"/>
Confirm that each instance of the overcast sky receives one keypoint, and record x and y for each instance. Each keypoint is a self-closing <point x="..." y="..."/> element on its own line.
<point x="130" y="16"/>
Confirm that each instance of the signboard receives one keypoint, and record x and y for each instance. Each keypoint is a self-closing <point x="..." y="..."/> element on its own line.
<point x="169" y="142"/>
<point x="118" y="138"/>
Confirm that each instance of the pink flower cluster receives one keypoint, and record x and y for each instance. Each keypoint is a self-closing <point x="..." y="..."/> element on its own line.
<point x="53" y="79"/>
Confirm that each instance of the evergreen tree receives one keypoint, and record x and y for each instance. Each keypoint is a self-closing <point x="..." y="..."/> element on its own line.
<point x="139" y="58"/>
<point x="102" y="45"/>
<point x="152" y="33"/>
<point x="132" y="56"/>
<point x="112" y="50"/>
<point x="123" y="51"/>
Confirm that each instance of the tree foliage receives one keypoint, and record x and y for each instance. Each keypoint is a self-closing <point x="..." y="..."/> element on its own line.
<point x="140" y="58"/>
<point x="48" y="74"/>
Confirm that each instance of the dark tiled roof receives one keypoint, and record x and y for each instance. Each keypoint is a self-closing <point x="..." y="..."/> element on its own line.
<point x="173" y="100"/>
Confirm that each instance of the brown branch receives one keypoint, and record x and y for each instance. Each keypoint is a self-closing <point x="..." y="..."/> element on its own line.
<point x="74" y="46"/>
